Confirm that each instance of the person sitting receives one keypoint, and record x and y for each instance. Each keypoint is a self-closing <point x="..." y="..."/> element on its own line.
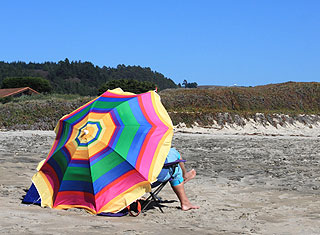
<point x="179" y="178"/>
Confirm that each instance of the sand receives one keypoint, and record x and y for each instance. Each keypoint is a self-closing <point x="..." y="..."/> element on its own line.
<point x="251" y="127"/>
<point x="247" y="183"/>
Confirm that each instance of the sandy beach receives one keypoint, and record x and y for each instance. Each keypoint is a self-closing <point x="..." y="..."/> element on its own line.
<point x="246" y="184"/>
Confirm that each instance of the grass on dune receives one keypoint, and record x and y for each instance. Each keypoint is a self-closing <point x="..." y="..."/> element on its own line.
<point x="204" y="106"/>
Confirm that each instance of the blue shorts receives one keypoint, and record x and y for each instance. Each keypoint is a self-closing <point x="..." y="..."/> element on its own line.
<point x="165" y="174"/>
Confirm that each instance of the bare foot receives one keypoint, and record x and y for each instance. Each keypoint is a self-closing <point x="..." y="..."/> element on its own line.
<point x="188" y="206"/>
<point x="189" y="175"/>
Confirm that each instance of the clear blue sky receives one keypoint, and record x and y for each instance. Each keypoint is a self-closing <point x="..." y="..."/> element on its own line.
<point x="208" y="42"/>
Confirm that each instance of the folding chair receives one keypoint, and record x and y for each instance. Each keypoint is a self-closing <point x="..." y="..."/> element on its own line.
<point x="158" y="186"/>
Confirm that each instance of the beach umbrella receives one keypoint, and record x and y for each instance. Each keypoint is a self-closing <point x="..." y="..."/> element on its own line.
<point x="106" y="153"/>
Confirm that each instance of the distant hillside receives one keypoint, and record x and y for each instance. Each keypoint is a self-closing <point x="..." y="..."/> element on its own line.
<point x="289" y="97"/>
<point x="232" y="105"/>
<point x="82" y="78"/>
<point x="274" y="104"/>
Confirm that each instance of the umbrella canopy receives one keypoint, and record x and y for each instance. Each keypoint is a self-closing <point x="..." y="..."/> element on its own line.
<point x="106" y="153"/>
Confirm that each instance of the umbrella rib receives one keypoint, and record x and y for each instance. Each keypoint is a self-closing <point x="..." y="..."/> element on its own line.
<point x="134" y="168"/>
<point x="67" y="142"/>
<point x="89" y="163"/>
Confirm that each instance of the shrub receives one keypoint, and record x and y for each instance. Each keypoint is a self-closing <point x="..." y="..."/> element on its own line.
<point x="128" y="85"/>
<point x="6" y="99"/>
<point x="37" y="83"/>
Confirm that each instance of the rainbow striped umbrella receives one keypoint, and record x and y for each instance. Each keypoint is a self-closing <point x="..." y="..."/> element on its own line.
<point x="106" y="153"/>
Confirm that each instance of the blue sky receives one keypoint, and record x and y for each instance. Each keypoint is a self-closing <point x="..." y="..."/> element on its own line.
<point x="209" y="42"/>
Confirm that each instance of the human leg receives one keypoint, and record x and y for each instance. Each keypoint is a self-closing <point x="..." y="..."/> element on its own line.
<point x="187" y="175"/>
<point x="183" y="168"/>
<point x="184" y="201"/>
<point x="179" y="176"/>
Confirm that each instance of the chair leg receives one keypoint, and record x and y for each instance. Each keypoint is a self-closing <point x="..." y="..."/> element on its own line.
<point x="157" y="202"/>
<point x="153" y="197"/>
<point x="146" y="204"/>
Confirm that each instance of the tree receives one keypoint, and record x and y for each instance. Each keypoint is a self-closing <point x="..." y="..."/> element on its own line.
<point x="128" y="85"/>
<point x="37" y="83"/>
<point x="185" y="83"/>
<point x="189" y="85"/>
<point x="81" y="77"/>
<point x="192" y="85"/>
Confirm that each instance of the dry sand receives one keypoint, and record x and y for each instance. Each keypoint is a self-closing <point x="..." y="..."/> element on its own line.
<point x="246" y="184"/>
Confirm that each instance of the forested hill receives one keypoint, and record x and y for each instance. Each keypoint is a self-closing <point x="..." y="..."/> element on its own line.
<point x="81" y="77"/>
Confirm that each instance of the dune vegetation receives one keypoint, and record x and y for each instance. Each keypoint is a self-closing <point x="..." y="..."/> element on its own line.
<point x="204" y="106"/>
<point x="233" y="104"/>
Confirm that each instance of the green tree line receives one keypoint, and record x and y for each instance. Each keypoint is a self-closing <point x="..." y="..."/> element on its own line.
<point x="82" y="78"/>
<point x="36" y="83"/>
<point x="134" y="86"/>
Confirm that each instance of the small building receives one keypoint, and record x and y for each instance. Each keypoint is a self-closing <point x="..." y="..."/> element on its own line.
<point x="16" y="92"/>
